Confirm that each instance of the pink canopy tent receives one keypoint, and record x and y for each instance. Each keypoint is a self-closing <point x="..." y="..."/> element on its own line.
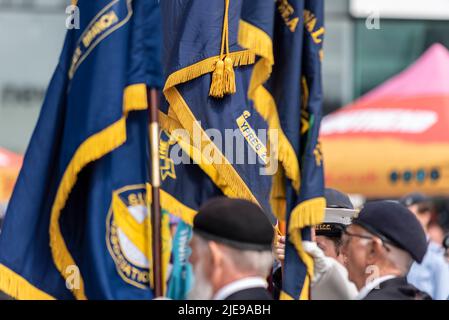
<point x="394" y="139"/>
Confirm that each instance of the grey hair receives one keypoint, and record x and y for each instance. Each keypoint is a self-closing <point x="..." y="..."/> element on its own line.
<point x="259" y="262"/>
<point x="401" y="259"/>
<point x="202" y="243"/>
<point x="398" y="258"/>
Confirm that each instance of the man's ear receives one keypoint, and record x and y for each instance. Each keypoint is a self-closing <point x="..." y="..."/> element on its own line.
<point x="215" y="267"/>
<point x="216" y="254"/>
<point x="374" y="251"/>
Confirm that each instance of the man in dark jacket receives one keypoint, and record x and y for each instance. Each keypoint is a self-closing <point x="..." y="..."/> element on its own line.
<point x="231" y="251"/>
<point x="380" y="246"/>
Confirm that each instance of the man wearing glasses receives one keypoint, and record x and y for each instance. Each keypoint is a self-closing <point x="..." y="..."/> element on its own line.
<point x="380" y="246"/>
<point x="432" y="275"/>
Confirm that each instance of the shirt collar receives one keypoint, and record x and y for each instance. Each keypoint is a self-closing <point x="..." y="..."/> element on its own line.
<point x="239" y="285"/>
<point x="372" y="285"/>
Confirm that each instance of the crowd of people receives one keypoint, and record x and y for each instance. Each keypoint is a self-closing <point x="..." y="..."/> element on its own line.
<point x="385" y="251"/>
<point x="388" y="250"/>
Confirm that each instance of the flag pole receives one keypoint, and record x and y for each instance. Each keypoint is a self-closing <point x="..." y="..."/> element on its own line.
<point x="155" y="209"/>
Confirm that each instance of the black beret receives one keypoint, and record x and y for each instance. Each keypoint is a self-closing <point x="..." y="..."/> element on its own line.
<point x="396" y="224"/>
<point x="234" y="222"/>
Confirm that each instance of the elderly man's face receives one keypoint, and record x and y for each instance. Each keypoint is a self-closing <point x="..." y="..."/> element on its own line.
<point x="356" y="252"/>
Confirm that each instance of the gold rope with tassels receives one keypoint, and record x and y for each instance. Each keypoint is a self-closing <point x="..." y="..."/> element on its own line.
<point x="223" y="77"/>
<point x="239" y="58"/>
<point x="221" y="173"/>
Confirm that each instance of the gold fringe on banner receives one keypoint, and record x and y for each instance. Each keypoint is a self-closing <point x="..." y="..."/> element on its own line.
<point x="171" y="204"/>
<point x="18" y="287"/>
<point x="224" y="175"/>
<point x="170" y="125"/>
<point x="256" y="40"/>
<point x="296" y="239"/>
<point x="307" y="213"/>
<point x="266" y="106"/>
<point x="239" y="58"/>
<point x="277" y="195"/>
<point x="93" y="148"/>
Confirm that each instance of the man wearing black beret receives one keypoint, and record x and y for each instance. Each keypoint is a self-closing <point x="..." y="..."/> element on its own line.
<point x="231" y="251"/>
<point x="380" y="246"/>
<point x="432" y="275"/>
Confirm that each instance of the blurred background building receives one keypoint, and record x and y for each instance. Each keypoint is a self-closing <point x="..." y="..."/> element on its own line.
<point x="366" y="42"/>
<point x="31" y="37"/>
<point x="360" y="53"/>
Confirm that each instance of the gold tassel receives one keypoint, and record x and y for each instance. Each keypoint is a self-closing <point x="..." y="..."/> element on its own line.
<point x="223" y="77"/>
<point x="217" y="84"/>
<point x="229" y="76"/>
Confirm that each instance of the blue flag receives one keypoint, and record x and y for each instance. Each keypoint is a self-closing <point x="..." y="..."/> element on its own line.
<point x="208" y="76"/>
<point x="208" y="113"/>
<point x="290" y="102"/>
<point x="77" y="225"/>
<point x="294" y="94"/>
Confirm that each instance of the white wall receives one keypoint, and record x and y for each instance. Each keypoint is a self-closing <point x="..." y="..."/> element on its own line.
<point x="30" y="42"/>
<point x="401" y="9"/>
